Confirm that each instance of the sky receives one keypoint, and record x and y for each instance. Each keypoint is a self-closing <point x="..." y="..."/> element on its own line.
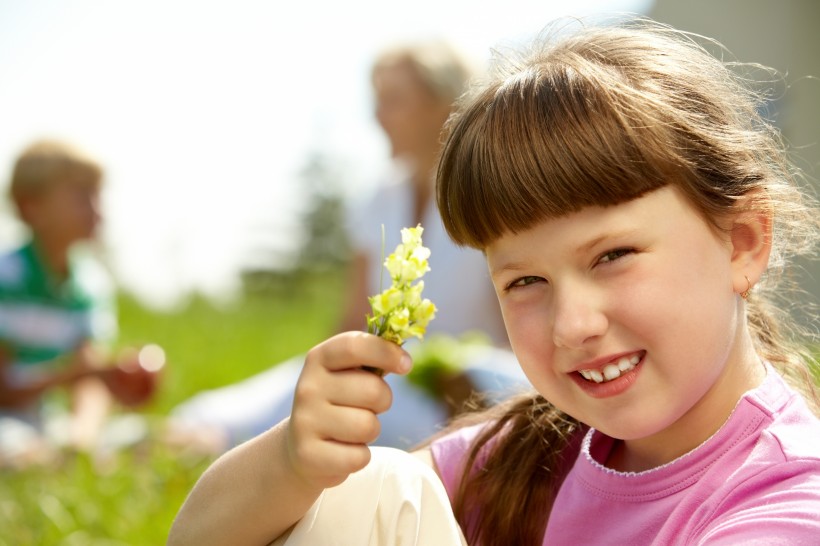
<point x="203" y="113"/>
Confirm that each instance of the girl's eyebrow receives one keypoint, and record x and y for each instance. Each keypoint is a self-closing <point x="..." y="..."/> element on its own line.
<point x="592" y="243"/>
<point x="520" y="265"/>
<point x="507" y="267"/>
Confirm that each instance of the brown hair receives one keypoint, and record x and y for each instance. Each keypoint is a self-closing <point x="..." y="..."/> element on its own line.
<point x="45" y="162"/>
<point x="597" y="116"/>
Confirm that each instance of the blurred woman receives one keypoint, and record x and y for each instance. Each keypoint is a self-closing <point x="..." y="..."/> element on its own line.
<point x="415" y="86"/>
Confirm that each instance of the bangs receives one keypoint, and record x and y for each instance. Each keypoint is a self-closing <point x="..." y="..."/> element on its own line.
<point x="543" y="146"/>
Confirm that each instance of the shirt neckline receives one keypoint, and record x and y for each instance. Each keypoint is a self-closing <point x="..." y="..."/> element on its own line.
<point x="685" y="470"/>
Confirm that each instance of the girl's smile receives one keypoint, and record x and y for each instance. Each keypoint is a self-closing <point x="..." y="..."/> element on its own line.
<point x="613" y="377"/>
<point x="618" y="316"/>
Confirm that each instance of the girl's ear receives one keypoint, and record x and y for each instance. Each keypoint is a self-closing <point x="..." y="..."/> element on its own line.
<point x="751" y="239"/>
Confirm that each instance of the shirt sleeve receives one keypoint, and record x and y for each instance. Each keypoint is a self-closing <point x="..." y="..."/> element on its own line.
<point x="12" y="271"/>
<point x="784" y="509"/>
<point x="450" y="453"/>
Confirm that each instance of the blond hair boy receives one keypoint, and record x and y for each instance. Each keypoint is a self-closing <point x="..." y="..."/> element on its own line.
<point x="55" y="303"/>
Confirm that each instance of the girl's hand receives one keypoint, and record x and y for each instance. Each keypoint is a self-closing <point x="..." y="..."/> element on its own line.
<point x="336" y="404"/>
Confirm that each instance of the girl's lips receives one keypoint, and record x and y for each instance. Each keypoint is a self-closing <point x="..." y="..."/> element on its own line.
<point x="611" y="379"/>
<point x="611" y="368"/>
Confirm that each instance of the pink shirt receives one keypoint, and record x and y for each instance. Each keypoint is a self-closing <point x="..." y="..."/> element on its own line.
<point x="756" y="481"/>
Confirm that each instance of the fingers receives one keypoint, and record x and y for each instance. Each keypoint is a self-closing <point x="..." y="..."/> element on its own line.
<point x="322" y="463"/>
<point x="328" y="441"/>
<point x="355" y="388"/>
<point x="348" y="426"/>
<point x="332" y="376"/>
<point x="356" y="349"/>
<point x="336" y="405"/>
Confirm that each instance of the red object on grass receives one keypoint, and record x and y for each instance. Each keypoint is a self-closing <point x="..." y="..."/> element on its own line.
<point x="134" y="380"/>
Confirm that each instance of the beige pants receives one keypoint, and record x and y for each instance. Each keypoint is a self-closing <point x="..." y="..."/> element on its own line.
<point x="396" y="500"/>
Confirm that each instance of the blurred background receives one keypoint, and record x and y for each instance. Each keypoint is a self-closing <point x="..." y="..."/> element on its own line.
<point x="220" y="123"/>
<point x="234" y="135"/>
<point x="208" y="115"/>
<point x="783" y="36"/>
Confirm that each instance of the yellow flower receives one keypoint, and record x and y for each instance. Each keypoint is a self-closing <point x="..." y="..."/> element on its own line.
<point x="424" y="313"/>
<point x="399" y="321"/>
<point x="412" y="236"/>
<point x="407" y="264"/>
<point x="412" y="295"/>
<point x="399" y="312"/>
<point x="387" y="301"/>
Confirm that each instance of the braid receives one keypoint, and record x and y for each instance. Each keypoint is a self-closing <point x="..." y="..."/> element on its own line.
<point x="533" y="445"/>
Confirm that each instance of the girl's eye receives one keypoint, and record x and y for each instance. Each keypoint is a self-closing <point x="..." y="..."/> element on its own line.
<point x="524" y="281"/>
<point x="613" y="255"/>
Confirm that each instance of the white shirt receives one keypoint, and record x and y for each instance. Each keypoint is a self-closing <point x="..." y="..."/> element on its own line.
<point x="458" y="282"/>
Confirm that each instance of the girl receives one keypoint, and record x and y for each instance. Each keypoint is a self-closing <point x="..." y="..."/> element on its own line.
<point x="635" y="210"/>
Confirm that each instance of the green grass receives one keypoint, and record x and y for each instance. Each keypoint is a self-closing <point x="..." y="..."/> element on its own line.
<point x="133" y="497"/>
<point x="129" y="500"/>
<point x="208" y="346"/>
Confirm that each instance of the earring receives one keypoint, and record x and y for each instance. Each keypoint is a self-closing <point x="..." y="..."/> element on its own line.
<point x="745" y="293"/>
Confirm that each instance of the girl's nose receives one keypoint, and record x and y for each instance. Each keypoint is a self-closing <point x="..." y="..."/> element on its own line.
<point x="578" y="318"/>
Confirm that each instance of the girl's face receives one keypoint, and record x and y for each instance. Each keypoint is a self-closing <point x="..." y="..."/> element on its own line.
<point x="625" y="317"/>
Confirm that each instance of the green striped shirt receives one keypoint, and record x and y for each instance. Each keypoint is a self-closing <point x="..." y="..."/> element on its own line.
<point x="43" y="317"/>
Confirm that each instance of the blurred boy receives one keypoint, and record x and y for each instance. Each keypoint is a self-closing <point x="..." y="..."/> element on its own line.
<point x="56" y="305"/>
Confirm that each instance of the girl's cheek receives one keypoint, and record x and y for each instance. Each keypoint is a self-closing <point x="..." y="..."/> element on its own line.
<point x="527" y="324"/>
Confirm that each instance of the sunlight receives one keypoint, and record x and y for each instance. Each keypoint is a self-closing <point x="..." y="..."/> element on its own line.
<point x="204" y="113"/>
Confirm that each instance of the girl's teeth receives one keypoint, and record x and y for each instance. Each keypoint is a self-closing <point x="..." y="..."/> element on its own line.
<point x="611" y="371"/>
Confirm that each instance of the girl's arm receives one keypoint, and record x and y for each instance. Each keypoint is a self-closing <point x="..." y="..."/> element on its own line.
<point x="255" y="492"/>
<point x="250" y="495"/>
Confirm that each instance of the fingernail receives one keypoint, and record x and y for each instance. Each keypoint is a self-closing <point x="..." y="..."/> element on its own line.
<point x="405" y="363"/>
